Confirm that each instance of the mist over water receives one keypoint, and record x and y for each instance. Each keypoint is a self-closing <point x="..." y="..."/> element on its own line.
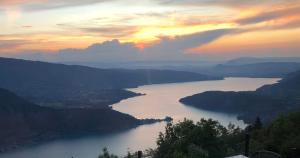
<point x="161" y="100"/>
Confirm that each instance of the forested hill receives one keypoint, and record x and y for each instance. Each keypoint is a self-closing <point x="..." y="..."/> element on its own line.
<point x="57" y="84"/>
<point x="266" y="102"/>
<point x="288" y="87"/>
<point x="36" y="74"/>
<point x="22" y="122"/>
<point x="10" y="103"/>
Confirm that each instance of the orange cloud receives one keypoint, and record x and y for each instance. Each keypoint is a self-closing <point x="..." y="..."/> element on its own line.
<point x="45" y="42"/>
<point x="254" y="42"/>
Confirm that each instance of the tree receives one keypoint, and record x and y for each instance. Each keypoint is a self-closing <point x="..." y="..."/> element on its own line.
<point x="106" y="154"/>
<point x="257" y="124"/>
<point x="186" y="139"/>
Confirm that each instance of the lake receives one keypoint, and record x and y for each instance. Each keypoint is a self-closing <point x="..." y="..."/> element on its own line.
<point x="161" y="100"/>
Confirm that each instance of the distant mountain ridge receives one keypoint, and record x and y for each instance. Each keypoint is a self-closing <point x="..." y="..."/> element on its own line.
<point x="263" y="69"/>
<point x="256" y="70"/>
<point x="239" y="67"/>
<point x="253" y="60"/>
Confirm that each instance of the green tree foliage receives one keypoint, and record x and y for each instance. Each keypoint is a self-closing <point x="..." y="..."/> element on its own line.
<point x="209" y="139"/>
<point x="281" y="136"/>
<point x="205" y="139"/>
<point x="106" y="154"/>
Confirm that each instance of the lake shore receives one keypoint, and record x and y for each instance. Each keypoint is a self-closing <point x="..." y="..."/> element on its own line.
<point x="160" y="101"/>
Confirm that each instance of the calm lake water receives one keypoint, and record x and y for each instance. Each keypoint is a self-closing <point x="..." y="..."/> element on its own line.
<point x="160" y="100"/>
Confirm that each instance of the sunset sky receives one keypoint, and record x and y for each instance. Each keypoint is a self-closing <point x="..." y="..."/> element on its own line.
<point x="159" y="29"/>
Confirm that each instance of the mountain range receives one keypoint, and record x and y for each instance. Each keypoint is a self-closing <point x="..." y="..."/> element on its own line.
<point x="260" y="69"/>
<point x="59" y="85"/>
<point x="239" y="67"/>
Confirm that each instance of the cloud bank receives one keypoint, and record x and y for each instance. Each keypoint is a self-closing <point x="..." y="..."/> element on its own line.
<point x="115" y="51"/>
<point x="176" y="48"/>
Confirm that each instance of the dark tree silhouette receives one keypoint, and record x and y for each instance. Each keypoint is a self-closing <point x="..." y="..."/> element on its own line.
<point x="257" y="124"/>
